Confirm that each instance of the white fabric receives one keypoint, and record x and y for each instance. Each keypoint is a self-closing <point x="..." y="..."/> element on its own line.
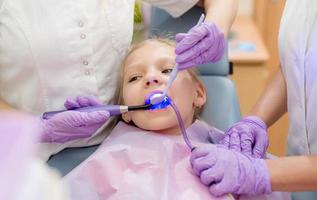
<point x="43" y="49"/>
<point x="53" y="50"/>
<point x="298" y="52"/>
<point x="22" y="175"/>
<point x="40" y="183"/>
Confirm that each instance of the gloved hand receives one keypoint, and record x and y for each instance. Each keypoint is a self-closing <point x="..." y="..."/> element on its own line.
<point x="227" y="171"/>
<point x="202" y="44"/>
<point x="81" y="101"/>
<point x="248" y="136"/>
<point x="71" y="125"/>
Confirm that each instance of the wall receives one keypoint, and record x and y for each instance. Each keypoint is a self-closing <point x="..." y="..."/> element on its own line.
<point x="245" y="7"/>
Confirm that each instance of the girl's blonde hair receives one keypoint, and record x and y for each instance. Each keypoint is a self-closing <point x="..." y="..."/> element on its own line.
<point x="192" y="71"/>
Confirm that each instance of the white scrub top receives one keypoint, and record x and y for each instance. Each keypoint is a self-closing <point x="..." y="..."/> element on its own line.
<point x="298" y="55"/>
<point x="53" y="50"/>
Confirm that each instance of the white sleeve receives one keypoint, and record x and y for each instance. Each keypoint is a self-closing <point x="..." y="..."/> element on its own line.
<point x="41" y="183"/>
<point x="1" y="3"/>
<point x="174" y="7"/>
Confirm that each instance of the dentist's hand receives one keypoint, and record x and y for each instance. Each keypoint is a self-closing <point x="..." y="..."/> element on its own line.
<point x="81" y="101"/>
<point x="202" y="44"/>
<point x="227" y="171"/>
<point x="71" y="125"/>
<point x="248" y="136"/>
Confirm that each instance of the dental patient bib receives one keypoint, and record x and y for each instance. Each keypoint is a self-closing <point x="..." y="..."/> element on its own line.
<point x="134" y="164"/>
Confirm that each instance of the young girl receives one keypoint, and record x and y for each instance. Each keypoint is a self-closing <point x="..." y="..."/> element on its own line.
<point x="145" y="71"/>
<point x="145" y="157"/>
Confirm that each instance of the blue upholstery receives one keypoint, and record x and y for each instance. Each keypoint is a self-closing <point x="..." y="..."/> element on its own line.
<point x="221" y="110"/>
<point x="69" y="158"/>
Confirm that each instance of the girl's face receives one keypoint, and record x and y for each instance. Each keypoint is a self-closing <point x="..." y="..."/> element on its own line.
<point x="147" y="70"/>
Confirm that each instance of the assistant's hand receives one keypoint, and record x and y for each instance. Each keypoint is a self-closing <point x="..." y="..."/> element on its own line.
<point x="248" y="136"/>
<point x="202" y="44"/>
<point x="71" y="125"/>
<point x="227" y="171"/>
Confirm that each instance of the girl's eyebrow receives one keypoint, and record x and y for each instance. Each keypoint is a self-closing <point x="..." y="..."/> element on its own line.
<point x="132" y="67"/>
<point x="165" y="59"/>
<point x="139" y="65"/>
<point x="130" y="71"/>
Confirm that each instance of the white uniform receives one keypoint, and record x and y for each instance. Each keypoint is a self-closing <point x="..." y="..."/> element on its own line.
<point x="298" y="52"/>
<point x="53" y="50"/>
<point x="298" y="55"/>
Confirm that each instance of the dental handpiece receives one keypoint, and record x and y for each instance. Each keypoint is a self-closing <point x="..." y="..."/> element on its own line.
<point x="157" y="99"/>
<point x="175" y="69"/>
<point x="171" y="79"/>
<point x="112" y="109"/>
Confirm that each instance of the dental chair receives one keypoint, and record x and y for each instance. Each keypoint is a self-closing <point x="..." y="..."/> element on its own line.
<point x="222" y="106"/>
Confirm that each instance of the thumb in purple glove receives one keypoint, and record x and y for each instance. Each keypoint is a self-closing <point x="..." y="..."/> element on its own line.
<point x="72" y="125"/>
<point x="202" y="44"/>
<point x="248" y="136"/>
<point x="227" y="171"/>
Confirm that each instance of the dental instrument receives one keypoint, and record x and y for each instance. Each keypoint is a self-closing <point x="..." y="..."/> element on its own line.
<point x="112" y="109"/>
<point x="166" y="102"/>
<point x="157" y="99"/>
<point x="182" y="127"/>
<point x="119" y="109"/>
<point x="161" y="105"/>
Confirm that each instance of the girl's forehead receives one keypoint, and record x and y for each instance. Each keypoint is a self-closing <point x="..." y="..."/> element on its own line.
<point x="153" y="46"/>
<point x="158" y="43"/>
<point x="150" y="50"/>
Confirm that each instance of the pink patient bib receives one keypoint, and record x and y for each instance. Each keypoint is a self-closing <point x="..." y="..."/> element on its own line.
<point x="136" y="164"/>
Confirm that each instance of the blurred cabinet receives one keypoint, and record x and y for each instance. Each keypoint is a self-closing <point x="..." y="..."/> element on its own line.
<point x="246" y="44"/>
<point x="267" y="15"/>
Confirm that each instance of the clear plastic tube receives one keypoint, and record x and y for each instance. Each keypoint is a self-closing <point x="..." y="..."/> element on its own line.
<point x="165" y="103"/>
<point x="182" y="126"/>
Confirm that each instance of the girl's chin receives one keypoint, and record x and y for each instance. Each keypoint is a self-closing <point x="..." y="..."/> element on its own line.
<point x="162" y="130"/>
<point x="156" y="112"/>
<point x="155" y="122"/>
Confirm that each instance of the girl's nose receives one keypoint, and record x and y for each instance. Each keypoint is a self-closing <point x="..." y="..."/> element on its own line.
<point x="153" y="80"/>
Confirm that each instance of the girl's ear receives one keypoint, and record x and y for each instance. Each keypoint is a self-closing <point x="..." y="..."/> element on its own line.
<point x="126" y="117"/>
<point x="200" y="97"/>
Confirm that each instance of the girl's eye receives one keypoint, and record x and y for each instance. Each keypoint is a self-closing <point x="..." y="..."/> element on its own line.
<point x="134" y="78"/>
<point x="167" y="71"/>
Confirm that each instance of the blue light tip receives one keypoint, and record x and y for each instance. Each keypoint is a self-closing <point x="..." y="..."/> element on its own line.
<point x="163" y="104"/>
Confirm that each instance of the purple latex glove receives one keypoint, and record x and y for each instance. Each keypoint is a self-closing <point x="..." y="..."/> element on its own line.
<point x="71" y="125"/>
<point x="227" y="171"/>
<point x="81" y="101"/>
<point x="248" y="136"/>
<point x="202" y="44"/>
